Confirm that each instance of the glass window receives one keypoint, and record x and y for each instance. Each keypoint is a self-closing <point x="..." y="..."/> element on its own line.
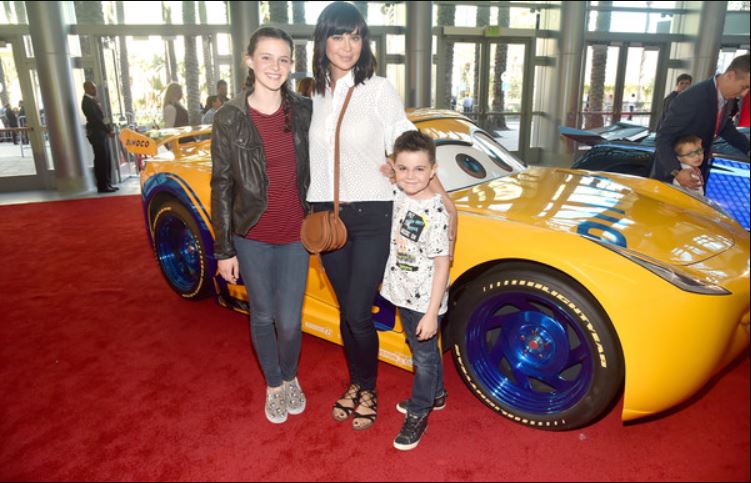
<point x="395" y="74"/>
<point x="386" y="13"/>
<point x="74" y="46"/>
<point x="466" y="16"/>
<point x="159" y="13"/>
<point x="13" y="13"/>
<point x="396" y="44"/>
<point x="727" y="54"/>
<point x="735" y="6"/>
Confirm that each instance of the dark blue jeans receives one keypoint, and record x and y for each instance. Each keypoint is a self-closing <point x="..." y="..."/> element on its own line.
<point x="426" y="358"/>
<point x="275" y="277"/>
<point x="355" y="272"/>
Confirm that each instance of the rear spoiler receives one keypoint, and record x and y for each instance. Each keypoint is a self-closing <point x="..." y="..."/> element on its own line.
<point x="621" y="131"/>
<point x="148" y="143"/>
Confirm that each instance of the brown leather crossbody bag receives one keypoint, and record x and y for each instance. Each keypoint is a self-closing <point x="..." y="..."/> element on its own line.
<point x="324" y="231"/>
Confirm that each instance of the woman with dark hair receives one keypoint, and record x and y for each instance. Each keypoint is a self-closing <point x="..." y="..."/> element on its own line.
<point x="343" y="65"/>
<point x="260" y="175"/>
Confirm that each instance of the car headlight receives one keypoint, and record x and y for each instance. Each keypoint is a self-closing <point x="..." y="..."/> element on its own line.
<point x="670" y="274"/>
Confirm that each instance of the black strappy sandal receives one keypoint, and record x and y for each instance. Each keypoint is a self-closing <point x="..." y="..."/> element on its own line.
<point x="369" y="400"/>
<point x="351" y="394"/>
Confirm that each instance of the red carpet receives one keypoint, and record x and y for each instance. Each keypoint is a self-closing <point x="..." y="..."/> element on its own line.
<point x="105" y="374"/>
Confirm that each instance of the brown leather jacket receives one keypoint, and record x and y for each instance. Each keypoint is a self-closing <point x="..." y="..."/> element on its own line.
<point x="239" y="183"/>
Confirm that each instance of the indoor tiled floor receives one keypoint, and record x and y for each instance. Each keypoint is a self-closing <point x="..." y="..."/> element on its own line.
<point x="129" y="186"/>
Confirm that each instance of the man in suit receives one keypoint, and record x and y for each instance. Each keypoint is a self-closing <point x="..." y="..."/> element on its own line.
<point x="682" y="83"/>
<point x="97" y="132"/>
<point x="703" y="110"/>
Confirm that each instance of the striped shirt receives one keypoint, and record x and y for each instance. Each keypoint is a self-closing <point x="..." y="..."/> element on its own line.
<point x="281" y="221"/>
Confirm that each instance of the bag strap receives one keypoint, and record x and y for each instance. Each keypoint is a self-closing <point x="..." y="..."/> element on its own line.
<point x="336" y="152"/>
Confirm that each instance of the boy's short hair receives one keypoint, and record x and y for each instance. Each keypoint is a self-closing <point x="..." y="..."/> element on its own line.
<point x="690" y="139"/>
<point x="684" y="77"/>
<point x="412" y="141"/>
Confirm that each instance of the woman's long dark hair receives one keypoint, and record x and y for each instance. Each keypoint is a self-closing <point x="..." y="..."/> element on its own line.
<point x="336" y="19"/>
<point x="250" y="82"/>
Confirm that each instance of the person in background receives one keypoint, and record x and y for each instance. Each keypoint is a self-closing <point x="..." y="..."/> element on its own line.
<point x="257" y="207"/>
<point x="213" y="103"/>
<point x="417" y="276"/>
<point x="305" y="86"/>
<point x="682" y="83"/>
<point x="174" y="113"/>
<point x="97" y="132"/>
<point x="702" y="110"/>
<point x="631" y="106"/>
<point x="374" y="118"/>
<point x="690" y="153"/>
<point x="10" y="116"/>
<point x="221" y="90"/>
<point x="468" y="103"/>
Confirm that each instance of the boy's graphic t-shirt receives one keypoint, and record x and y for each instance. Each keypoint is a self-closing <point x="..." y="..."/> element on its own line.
<point x="419" y="233"/>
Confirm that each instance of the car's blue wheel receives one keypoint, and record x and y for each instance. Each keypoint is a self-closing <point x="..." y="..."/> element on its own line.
<point x="179" y="250"/>
<point x="534" y="346"/>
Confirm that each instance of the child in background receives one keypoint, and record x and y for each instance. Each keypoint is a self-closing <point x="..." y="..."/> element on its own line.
<point x="690" y="153"/>
<point x="416" y="277"/>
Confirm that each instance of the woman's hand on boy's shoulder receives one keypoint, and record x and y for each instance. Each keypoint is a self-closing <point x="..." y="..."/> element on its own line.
<point x="387" y="170"/>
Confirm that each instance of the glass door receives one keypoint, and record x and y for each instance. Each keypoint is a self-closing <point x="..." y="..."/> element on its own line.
<point x="15" y="151"/>
<point x="598" y="104"/>
<point x="491" y="83"/>
<point x="505" y="105"/>
<point x="23" y="157"/>
<point x="464" y="78"/>
<point x="639" y="84"/>
<point x="620" y="84"/>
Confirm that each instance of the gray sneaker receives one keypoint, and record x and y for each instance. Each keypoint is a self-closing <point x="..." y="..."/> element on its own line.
<point x="276" y="406"/>
<point x="295" y="397"/>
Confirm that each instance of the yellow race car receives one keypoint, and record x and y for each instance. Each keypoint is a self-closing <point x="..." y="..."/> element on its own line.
<point x="567" y="286"/>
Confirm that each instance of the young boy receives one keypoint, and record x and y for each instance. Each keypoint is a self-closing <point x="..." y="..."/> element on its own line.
<point x="690" y="153"/>
<point x="416" y="277"/>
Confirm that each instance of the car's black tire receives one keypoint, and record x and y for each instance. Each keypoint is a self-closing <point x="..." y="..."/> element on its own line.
<point x="533" y="345"/>
<point x="180" y="251"/>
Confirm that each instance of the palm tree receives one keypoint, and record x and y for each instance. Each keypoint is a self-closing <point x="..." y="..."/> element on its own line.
<point x="20" y="12"/>
<point x="301" y="56"/>
<point x="597" y="76"/>
<point x="482" y="20"/>
<point x="446" y="14"/>
<point x="169" y="46"/>
<point x="278" y="12"/>
<point x="501" y="57"/>
<point x="192" y="73"/>
<point x="206" y="42"/>
<point x="124" y="64"/>
<point x="88" y="12"/>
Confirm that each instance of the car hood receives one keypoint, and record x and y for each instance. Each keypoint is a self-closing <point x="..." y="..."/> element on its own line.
<point x="648" y="217"/>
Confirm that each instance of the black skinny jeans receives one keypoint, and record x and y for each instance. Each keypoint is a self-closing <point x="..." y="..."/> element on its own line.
<point x="356" y="271"/>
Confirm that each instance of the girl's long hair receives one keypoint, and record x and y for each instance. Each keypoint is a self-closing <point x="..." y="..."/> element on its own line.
<point x="336" y="19"/>
<point x="250" y="82"/>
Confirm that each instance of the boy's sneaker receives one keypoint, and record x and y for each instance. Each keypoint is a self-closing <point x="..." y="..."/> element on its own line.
<point x="438" y="403"/>
<point x="295" y="397"/>
<point x="412" y="430"/>
<point x="276" y="406"/>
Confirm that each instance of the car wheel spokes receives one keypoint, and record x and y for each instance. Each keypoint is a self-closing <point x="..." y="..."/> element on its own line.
<point x="529" y="352"/>
<point x="178" y="253"/>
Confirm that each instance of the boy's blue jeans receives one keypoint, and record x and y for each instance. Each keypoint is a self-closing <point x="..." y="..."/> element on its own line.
<point x="428" y="364"/>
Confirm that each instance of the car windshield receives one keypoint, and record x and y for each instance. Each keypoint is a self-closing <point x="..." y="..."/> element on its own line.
<point x="467" y="162"/>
